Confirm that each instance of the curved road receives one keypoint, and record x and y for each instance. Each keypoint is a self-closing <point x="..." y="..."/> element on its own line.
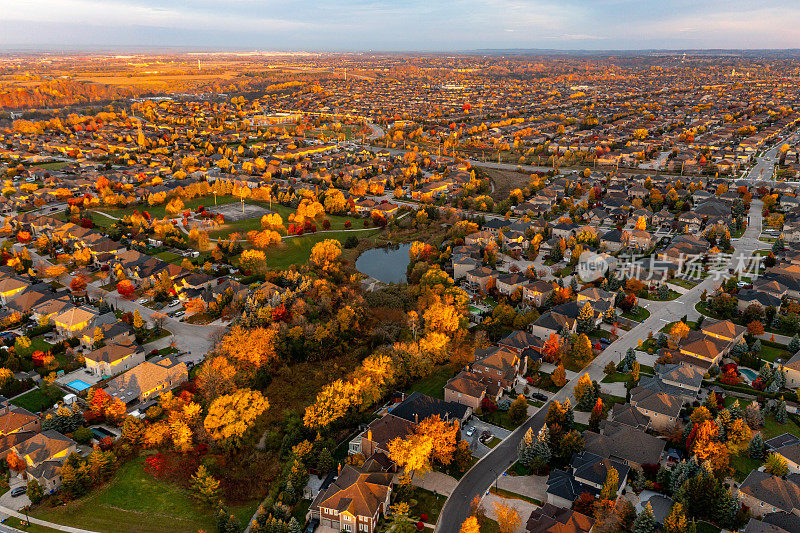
<point x="481" y="476"/>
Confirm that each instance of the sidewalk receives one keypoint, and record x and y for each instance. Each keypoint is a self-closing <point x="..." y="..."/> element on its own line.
<point x="9" y="512"/>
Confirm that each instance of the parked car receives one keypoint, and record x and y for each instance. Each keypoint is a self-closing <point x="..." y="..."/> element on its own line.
<point x="486" y="436"/>
<point x="180" y="314"/>
<point x="605" y="342"/>
<point x="19" y="491"/>
<point x="470" y="431"/>
<point x="311" y="526"/>
<point x="539" y="396"/>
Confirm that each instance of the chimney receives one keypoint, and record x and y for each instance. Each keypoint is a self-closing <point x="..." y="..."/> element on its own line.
<point x="338" y="469"/>
<point x="416" y="418"/>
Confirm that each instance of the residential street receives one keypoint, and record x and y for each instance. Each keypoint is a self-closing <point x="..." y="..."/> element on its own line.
<point x="193" y="338"/>
<point x="483" y="474"/>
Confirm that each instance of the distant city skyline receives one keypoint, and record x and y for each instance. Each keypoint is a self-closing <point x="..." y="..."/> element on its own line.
<point x="411" y="25"/>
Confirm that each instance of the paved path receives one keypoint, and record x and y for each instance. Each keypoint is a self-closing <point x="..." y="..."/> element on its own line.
<point x="485" y="471"/>
<point x="11" y="512"/>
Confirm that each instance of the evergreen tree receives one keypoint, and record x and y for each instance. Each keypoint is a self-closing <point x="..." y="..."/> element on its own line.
<point x="756" y="348"/>
<point x="739" y="350"/>
<point x="294" y="526"/>
<point x="663" y="291"/>
<point x="232" y="525"/>
<point x="794" y="344"/>
<point x="755" y="450"/>
<point x="541" y="446"/>
<point x="325" y="463"/>
<point x="627" y="362"/>
<point x="569" y="415"/>
<point x="681" y="472"/>
<point x="525" y="449"/>
<point x="780" y="412"/>
<point x="645" y="522"/>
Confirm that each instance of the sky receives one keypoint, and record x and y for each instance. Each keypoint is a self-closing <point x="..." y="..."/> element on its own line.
<point x="401" y="25"/>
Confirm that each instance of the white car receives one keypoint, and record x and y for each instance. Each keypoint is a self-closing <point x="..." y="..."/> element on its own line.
<point x="470" y="431"/>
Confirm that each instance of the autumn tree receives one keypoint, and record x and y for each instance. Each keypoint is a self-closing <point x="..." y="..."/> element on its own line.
<point x="231" y="416"/>
<point x="470" y="525"/>
<point x="324" y="253"/>
<point x="248" y="349"/>
<point x="508" y="519"/>
<point x="205" y="486"/>
<point x="677" y="332"/>
<point x="559" y="376"/>
<point x="215" y="378"/>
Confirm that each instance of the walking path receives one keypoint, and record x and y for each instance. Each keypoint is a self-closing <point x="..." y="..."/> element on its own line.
<point x="45" y="523"/>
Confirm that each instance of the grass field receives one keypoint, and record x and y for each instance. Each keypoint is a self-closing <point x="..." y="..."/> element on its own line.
<point x="133" y="501"/>
<point x="641" y="315"/>
<point x="742" y="465"/>
<point x="36" y="400"/>
<point x="296" y="250"/>
<point x="434" y="384"/>
<point x="427" y="503"/>
<point x="771" y="353"/>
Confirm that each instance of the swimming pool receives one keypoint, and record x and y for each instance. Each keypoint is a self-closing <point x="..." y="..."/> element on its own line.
<point x="78" y="385"/>
<point x="749" y="375"/>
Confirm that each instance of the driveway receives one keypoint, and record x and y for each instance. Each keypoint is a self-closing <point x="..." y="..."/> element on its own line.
<point x="6" y="500"/>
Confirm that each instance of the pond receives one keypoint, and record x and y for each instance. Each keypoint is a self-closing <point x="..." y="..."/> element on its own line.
<point x="385" y="264"/>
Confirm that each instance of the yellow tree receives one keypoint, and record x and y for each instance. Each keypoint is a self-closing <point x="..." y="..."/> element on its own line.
<point x="470" y="525"/>
<point x="444" y="436"/>
<point x="508" y="519"/>
<point x="325" y="252"/>
<point x="231" y="416"/>
<point x="678" y="332"/>
<point x="413" y="453"/>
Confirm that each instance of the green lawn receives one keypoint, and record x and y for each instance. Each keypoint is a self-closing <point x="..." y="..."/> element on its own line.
<point x="133" y="501"/>
<point x="771" y="352"/>
<point x="434" y="384"/>
<point x="773" y="429"/>
<point x="159" y="211"/>
<point x="641" y="315"/>
<point x="742" y="465"/>
<point x="493" y="442"/>
<point x="295" y="251"/>
<point x="37" y="400"/>
<point x="500" y="418"/>
<point x="683" y="283"/>
<point x="426" y="502"/>
<point x="705" y="527"/>
<point x="507" y="494"/>
<point x="617" y="377"/>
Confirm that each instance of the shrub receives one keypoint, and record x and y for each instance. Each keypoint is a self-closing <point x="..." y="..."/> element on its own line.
<point x="82" y="435"/>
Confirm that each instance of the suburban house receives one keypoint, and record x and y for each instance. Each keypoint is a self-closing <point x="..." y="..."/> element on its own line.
<point x="536" y="292"/>
<point x="587" y="473"/>
<point x="355" y="501"/>
<point x="43" y="453"/>
<point x="480" y="277"/>
<point x="662" y="408"/>
<point x="510" y="283"/>
<point x="625" y="444"/>
<point x="764" y="493"/>
<point x="148" y="379"/>
<point x="72" y="322"/>
<point x="788" y="447"/>
<point x="469" y="389"/>
<point x="679" y="380"/>
<point x="114" y="358"/>
<point x="791" y="369"/>
<point x="498" y="365"/>
<point x="552" y="519"/>
<point x="13" y="419"/>
<point x="379" y="434"/>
